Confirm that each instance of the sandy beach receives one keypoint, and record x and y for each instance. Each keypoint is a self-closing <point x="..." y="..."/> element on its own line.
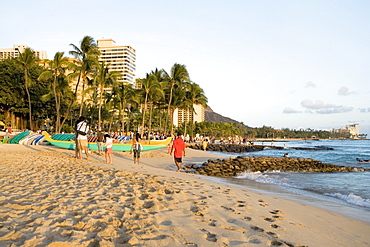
<point x="48" y="198"/>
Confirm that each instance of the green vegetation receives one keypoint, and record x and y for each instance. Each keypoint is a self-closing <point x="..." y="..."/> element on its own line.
<point x="224" y="130"/>
<point x="41" y="91"/>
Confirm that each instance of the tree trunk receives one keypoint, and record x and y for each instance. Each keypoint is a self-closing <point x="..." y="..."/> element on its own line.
<point x="144" y="112"/>
<point x="150" y="118"/>
<point x="185" y="128"/>
<point x="172" y="115"/>
<point x="169" y="109"/>
<point x="57" y="107"/>
<point x="82" y="100"/>
<point x="29" y="102"/>
<point x="123" y="116"/>
<point x="59" y="126"/>
<point x="110" y="124"/>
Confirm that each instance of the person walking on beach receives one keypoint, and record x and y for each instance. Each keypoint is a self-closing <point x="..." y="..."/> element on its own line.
<point x="178" y="149"/>
<point x="205" y="144"/>
<point x="108" y="149"/>
<point x="100" y="141"/>
<point x="136" y="147"/>
<point x="76" y="135"/>
<point x="82" y="128"/>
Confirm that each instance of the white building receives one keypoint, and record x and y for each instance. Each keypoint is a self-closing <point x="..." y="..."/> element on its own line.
<point x="353" y="129"/>
<point x="180" y="115"/>
<point x="118" y="58"/>
<point x="14" y="52"/>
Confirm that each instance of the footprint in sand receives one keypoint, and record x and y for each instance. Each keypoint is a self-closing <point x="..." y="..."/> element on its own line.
<point x="272" y="234"/>
<point x="274" y="226"/>
<point x="280" y="243"/>
<point x="276" y="211"/>
<point x="196" y="210"/>
<point x="209" y="236"/>
<point x="268" y="219"/>
<point x="234" y="229"/>
<point x="166" y="223"/>
<point x="257" y="229"/>
<point x="247" y="218"/>
<point x="276" y="214"/>
<point x="227" y="208"/>
<point x="262" y="203"/>
<point x="212" y="223"/>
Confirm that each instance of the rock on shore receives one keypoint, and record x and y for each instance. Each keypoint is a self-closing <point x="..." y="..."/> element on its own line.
<point x="240" y="148"/>
<point x="234" y="166"/>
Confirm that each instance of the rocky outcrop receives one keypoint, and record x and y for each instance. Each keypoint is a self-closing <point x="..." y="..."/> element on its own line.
<point x="230" y="148"/>
<point x="234" y="166"/>
<point x="239" y="148"/>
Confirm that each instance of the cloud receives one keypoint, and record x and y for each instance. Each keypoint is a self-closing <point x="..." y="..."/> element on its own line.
<point x="289" y="110"/>
<point x="321" y="108"/>
<point x="307" y="103"/>
<point x="335" y="109"/>
<point x="344" y="91"/>
<point x="310" y="84"/>
<point x="365" y="110"/>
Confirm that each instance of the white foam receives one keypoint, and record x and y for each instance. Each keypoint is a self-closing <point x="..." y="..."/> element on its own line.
<point x="259" y="177"/>
<point x="352" y="199"/>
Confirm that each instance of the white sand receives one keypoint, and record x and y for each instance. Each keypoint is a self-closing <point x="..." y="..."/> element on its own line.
<point x="48" y="198"/>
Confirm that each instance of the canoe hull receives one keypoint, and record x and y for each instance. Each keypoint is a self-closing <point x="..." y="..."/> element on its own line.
<point x="94" y="146"/>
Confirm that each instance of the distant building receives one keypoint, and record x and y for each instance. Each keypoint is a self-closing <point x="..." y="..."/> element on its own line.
<point x="118" y="58"/>
<point x="16" y="50"/>
<point x="181" y="116"/>
<point x="353" y="130"/>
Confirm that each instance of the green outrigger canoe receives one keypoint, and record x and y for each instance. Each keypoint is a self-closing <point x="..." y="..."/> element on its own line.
<point x="116" y="146"/>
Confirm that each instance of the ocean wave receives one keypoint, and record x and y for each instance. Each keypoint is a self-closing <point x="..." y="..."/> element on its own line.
<point x="351" y="199"/>
<point x="262" y="177"/>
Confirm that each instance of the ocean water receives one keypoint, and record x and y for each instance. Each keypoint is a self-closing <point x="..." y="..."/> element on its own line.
<point x="344" y="193"/>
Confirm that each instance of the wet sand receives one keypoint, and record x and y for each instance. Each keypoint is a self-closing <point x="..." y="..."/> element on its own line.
<point x="48" y="198"/>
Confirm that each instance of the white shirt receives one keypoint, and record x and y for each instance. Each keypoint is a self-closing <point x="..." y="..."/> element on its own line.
<point x="109" y="142"/>
<point x="83" y="127"/>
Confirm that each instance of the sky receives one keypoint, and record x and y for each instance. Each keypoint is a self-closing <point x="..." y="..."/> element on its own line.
<point x="279" y="63"/>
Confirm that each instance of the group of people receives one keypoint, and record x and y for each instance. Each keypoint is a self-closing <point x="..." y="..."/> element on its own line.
<point x="105" y="144"/>
<point x="104" y="141"/>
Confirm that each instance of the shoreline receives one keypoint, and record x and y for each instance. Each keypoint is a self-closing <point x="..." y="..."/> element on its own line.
<point x="150" y="204"/>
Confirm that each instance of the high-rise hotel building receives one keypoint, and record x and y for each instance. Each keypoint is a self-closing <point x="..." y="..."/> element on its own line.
<point x="181" y="116"/>
<point x="118" y="58"/>
<point x="16" y="50"/>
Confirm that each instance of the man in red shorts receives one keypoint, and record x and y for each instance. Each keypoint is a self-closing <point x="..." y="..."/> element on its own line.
<point x="178" y="146"/>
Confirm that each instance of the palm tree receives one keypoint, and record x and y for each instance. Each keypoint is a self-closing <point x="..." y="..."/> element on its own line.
<point x="159" y="96"/>
<point x="194" y="96"/>
<point x="87" y="54"/>
<point x="125" y="94"/>
<point x="103" y="79"/>
<point x="178" y="100"/>
<point x="156" y="100"/>
<point x="56" y="72"/>
<point x="149" y="85"/>
<point x="179" y="75"/>
<point x="27" y="60"/>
